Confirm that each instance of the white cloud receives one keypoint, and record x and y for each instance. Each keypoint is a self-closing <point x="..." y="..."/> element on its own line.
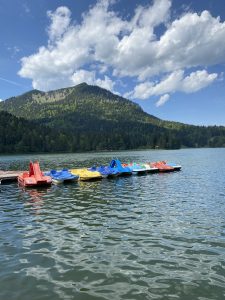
<point x="90" y="78"/>
<point x="60" y="21"/>
<point x="83" y="76"/>
<point x="106" y="83"/>
<point x="162" y="100"/>
<point x="154" y="15"/>
<point x="197" y="81"/>
<point x="141" y="91"/>
<point x="128" y="47"/>
<point x="174" y="82"/>
<point x="102" y="37"/>
<point x="192" y="40"/>
<point x="1" y="99"/>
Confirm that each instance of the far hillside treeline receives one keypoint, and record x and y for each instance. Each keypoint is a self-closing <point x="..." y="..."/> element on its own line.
<point x="86" y="118"/>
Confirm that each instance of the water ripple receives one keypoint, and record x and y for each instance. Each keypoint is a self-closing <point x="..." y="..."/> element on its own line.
<point x="160" y="236"/>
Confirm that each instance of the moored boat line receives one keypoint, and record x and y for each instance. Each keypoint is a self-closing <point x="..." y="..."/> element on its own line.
<point x="35" y="177"/>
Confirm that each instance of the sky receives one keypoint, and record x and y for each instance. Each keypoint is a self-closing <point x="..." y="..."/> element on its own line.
<point x="166" y="55"/>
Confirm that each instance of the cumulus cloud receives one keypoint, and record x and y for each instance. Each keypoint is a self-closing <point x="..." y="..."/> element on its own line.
<point x="102" y="37"/>
<point x="128" y="47"/>
<point x="162" y="100"/>
<point x="174" y="82"/>
<point x="60" y="21"/>
<point x="197" y="81"/>
<point x="192" y="40"/>
<point x="90" y="78"/>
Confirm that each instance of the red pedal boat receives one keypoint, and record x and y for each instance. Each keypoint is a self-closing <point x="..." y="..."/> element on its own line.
<point x="34" y="177"/>
<point x="162" y="166"/>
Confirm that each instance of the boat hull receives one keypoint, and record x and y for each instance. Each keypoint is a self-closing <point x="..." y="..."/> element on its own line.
<point x="139" y="172"/>
<point x="136" y="168"/>
<point x="85" y="175"/>
<point x="63" y="176"/>
<point x="31" y="182"/>
<point x="162" y="167"/>
<point x="177" y="168"/>
<point x="150" y="169"/>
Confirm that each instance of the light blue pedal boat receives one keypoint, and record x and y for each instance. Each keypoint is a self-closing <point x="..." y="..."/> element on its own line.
<point x="137" y="169"/>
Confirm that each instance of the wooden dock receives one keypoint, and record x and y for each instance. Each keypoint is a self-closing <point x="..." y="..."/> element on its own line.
<point x="7" y="176"/>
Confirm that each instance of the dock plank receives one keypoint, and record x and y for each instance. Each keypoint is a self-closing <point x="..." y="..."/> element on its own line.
<point x="9" y="175"/>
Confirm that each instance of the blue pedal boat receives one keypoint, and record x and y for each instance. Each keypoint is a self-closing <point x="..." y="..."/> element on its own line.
<point x="105" y="171"/>
<point x="123" y="171"/>
<point x="62" y="176"/>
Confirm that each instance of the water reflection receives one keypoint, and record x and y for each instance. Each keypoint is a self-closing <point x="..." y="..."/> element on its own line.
<point x="34" y="197"/>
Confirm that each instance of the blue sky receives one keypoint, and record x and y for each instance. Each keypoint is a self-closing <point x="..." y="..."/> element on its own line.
<point x="166" y="55"/>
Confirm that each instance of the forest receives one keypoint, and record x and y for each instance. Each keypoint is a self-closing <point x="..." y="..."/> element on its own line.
<point x="89" y="118"/>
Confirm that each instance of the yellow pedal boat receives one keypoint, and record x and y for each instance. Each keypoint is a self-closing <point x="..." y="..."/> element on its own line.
<point x="85" y="174"/>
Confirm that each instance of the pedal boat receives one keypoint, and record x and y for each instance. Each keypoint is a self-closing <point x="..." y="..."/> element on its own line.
<point x="162" y="166"/>
<point x="63" y="176"/>
<point x="175" y="166"/>
<point x="136" y="169"/>
<point x="123" y="171"/>
<point x="150" y="169"/>
<point x="34" y="177"/>
<point x="85" y="174"/>
<point x="105" y="171"/>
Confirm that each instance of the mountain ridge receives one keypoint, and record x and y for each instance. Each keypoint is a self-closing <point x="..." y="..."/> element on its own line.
<point x="82" y="90"/>
<point x="91" y="118"/>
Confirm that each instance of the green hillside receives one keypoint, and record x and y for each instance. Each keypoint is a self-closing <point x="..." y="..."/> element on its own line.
<point x="88" y="117"/>
<point x="85" y="100"/>
<point x="18" y="135"/>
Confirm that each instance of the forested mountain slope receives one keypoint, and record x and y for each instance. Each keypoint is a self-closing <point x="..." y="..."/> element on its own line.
<point x="88" y="117"/>
<point x="18" y="135"/>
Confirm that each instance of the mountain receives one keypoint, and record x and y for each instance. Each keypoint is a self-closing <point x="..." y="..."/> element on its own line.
<point x="83" y="99"/>
<point x="91" y="118"/>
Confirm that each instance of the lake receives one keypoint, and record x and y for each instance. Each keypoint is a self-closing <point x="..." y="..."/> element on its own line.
<point x="158" y="236"/>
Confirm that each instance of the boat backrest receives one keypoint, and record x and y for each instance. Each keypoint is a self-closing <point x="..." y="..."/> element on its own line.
<point x="113" y="163"/>
<point x="37" y="171"/>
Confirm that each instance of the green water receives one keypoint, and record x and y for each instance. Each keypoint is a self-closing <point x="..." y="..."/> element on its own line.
<point x="159" y="236"/>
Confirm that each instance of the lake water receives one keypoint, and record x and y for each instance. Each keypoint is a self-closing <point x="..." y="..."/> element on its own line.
<point x="159" y="236"/>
